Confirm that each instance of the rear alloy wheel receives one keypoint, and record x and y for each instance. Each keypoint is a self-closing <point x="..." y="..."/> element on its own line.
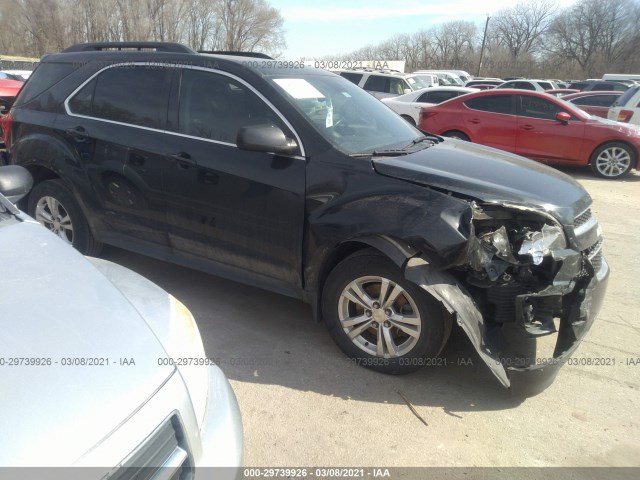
<point x="456" y="134"/>
<point x="53" y="205"/>
<point x="612" y="160"/>
<point x="380" y="319"/>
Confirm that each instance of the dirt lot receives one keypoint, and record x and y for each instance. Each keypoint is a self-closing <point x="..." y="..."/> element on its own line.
<point x="305" y="404"/>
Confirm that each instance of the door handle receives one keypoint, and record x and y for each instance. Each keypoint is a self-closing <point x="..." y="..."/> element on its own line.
<point x="527" y="127"/>
<point x="183" y="159"/>
<point x="79" y="134"/>
<point x="474" y="120"/>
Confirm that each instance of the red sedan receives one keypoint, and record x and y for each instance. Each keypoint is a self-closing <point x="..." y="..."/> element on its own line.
<point x="537" y="126"/>
<point x="8" y="91"/>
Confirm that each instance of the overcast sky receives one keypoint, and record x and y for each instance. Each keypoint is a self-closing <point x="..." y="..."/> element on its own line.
<point x="331" y="27"/>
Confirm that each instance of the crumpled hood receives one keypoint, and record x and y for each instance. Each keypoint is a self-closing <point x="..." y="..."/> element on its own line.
<point x="55" y="305"/>
<point x="489" y="175"/>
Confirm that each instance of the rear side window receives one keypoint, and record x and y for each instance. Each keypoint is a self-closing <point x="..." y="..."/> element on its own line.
<point x="525" y="86"/>
<point x="494" y="103"/>
<point x="546" y="85"/>
<point x="352" y="77"/>
<point x="137" y="95"/>
<point x="596" y="100"/>
<point x="437" y="97"/>
<point x="377" y="83"/>
<point x="44" y="77"/>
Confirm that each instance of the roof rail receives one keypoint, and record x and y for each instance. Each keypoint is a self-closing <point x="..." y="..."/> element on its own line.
<point x="138" y="46"/>
<point x="237" y="54"/>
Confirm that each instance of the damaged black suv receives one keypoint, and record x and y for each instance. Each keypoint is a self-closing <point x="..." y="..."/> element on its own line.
<point x="294" y="179"/>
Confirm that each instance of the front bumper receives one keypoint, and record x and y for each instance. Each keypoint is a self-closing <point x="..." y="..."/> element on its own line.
<point x="526" y="374"/>
<point x="221" y="431"/>
<point x="541" y="372"/>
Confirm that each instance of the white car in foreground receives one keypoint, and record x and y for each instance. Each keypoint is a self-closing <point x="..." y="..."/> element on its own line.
<point x="408" y="106"/>
<point x="99" y="367"/>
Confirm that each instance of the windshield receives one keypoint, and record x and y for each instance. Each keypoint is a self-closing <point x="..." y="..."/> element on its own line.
<point x="345" y="115"/>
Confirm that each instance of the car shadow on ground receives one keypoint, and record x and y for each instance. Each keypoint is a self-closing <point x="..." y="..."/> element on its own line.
<point x="582" y="173"/>
<point x="260" y="337"/>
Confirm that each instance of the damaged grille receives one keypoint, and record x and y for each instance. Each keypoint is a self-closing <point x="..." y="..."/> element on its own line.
<point x="594" y="254"/>
<point x="583" y="218"/>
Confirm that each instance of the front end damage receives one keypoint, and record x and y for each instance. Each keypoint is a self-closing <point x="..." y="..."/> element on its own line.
<point x="524" y="288"/>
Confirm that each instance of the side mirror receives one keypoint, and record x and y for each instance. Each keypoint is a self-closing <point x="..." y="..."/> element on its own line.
<point x="563" y="117"/>
<point x="407" y="90"/>
<point x="15" y="182"/>
<point x="265" y="138"/>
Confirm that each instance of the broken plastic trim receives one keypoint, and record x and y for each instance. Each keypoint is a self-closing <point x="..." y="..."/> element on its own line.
<point x="458" y="302"/>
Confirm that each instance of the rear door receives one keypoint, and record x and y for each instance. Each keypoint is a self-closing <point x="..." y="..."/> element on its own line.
<point x="116" y="122"/>
<point x="491" y="120"/>
<point x="228" y="207"/>
<point x="541" y="137"/>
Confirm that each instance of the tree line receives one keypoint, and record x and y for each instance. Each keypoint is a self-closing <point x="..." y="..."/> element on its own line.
<point x="534" y="39"/>
<point x="36" y="27"/>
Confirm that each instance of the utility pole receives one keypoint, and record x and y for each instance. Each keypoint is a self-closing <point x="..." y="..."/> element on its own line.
<point x="484" y="39"/>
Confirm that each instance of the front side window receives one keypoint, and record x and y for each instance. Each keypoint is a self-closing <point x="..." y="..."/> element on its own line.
<point x="397" y="86"/>
<point x="542" y="108"/>
<point x="137" y="95"/>
<point x="215" y="107"/>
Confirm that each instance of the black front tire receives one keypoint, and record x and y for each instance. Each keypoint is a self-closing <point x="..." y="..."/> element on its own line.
<point x="420" y="348"/>
<point x="79" y="235"/>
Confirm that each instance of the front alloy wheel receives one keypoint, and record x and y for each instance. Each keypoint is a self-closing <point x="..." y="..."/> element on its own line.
<point x="379" y="317"/>
<point x="613" y="160"/>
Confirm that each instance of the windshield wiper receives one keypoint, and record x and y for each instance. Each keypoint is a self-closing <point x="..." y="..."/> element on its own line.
<point x="396" y="152"/>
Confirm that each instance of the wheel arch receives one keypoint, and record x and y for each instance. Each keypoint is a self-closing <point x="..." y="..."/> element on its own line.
<point x="396" y="250"/>
<point x="456" y="130"/>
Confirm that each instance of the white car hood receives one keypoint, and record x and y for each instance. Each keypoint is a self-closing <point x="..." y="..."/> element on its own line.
<point x="56" y="305"/>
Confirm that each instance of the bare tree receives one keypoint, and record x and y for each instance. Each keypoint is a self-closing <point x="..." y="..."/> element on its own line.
<point x="250" y="25"/>
<point x="595" y="33"/>
<point x="522" y="27"/>
<point x="454" y="43"/>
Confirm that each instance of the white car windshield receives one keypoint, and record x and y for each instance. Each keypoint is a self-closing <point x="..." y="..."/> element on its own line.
<point x="345" y="115"/>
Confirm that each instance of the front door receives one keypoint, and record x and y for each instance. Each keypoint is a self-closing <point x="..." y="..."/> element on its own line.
<point x="233" y="207"/>
<point x="541" y="137"/>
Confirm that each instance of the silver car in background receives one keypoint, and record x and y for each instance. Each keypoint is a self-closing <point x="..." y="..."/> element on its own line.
<point x="99" y="367"/>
